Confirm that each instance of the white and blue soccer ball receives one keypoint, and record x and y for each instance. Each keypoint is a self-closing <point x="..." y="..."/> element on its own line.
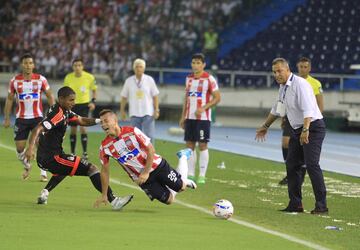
<point x="223" y="209"/>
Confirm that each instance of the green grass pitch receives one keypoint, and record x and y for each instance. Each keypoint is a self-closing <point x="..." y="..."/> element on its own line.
<point x="69" y="220"/>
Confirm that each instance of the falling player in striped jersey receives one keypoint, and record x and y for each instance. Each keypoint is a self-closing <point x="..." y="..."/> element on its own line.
<point x="51" y="156"/>
<point x="27" y="87"/>
<point x="201" y="94"/>
<point x="133" y="150"/>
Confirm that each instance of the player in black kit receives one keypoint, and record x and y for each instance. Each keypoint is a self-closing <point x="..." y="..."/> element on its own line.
<point x="50" y="154"/>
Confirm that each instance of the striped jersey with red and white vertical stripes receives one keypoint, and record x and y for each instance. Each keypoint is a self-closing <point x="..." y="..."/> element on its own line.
<point x="28" y="94"/>
<point x="198" y="93"/>
<point x="129" y="149"/>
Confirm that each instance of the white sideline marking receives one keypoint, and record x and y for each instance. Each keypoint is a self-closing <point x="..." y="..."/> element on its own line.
<point x="237" y="221"/>
<point x="7" y="147"/>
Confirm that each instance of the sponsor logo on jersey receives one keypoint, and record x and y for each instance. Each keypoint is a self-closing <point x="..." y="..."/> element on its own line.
<point x="127" y="157"/>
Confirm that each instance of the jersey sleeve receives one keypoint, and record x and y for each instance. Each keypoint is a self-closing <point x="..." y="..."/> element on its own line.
<point x="12" y="86"/>
<point x="143" y="140"/>
<point x="54" y="118"/>
<point x="213" y="85"/>
<point x="44" y="84"/>
<point x="93" y="85"/>
<point x="104" y="158"/>
<point x="73" y="118"/>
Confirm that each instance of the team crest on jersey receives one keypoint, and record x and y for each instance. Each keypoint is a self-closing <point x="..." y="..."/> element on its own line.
<point x="128" y="142"/>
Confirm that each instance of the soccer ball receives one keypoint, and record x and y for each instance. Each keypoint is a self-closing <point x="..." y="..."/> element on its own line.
<point x="223" y="209"/>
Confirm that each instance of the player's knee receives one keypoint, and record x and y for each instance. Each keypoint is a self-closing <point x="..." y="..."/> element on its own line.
<point x="170" y="199"/>
<point x="92" y="169"/>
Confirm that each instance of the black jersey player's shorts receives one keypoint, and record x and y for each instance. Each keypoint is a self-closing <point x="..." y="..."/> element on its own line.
<point x="23" y="127"/>
<point x="160" y="180"/>
<point x="64" y="164"/>
<point x="287" y="128"/>
<point x="197" y="130"/>
<point x="81" y="109"/>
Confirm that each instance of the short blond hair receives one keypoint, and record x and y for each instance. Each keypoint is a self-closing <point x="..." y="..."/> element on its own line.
<point x="139" y="61"/>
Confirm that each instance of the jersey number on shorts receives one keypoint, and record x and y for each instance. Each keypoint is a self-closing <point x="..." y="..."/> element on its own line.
<point x="172" y="176"/>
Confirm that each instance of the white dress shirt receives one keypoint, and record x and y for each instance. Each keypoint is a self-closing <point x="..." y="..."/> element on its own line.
<point x="140" y="95"/>
<point x="299" y="100"/>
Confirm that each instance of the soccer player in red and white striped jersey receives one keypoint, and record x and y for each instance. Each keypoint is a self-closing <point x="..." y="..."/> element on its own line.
<point x="27" y="88"/>
<point x="132" y="149"/>
<point x="201" y="94"/>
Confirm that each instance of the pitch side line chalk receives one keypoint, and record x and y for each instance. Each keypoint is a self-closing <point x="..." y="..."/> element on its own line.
<point x="237" y="221"/>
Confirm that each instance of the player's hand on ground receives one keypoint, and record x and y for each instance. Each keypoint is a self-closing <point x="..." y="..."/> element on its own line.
<point x="6" y="123"/>
<point x="101" y="199"/>
<point x="91" y="106"/>
<point x="29" y="154"/>
<point x="143" y="178"/>
<point x="260" y="134"/>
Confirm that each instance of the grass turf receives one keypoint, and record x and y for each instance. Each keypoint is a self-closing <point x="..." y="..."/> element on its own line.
<point x="69" y="221"/>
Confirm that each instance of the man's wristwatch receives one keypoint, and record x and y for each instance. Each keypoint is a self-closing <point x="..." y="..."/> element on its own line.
<point x="93" y="100"/>
<point x="305" y="129"/>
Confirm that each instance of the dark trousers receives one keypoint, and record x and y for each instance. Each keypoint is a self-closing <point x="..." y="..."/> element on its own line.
<point x="308" y="154"/>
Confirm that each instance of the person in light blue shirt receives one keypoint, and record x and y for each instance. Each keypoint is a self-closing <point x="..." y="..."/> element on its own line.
<point x="296" y="100"/>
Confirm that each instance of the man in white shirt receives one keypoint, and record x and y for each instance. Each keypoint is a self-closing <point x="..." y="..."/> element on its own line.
<point x="142" y="94"/>
<point x="296" y="100"/>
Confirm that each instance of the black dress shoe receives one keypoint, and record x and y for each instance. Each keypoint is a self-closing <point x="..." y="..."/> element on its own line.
<point x="320" y="211"/>
<point x="290" y="209"/>
<point x="284" y="181"/>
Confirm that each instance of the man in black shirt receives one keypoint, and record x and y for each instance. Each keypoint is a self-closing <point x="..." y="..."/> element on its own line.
<point x="51" y="156"/>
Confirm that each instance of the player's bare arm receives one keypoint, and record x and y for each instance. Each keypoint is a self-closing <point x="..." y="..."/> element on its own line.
<point x="105" y="175"/>
<point x="156" y="107"/>
<point x="32" y="141"/>
<point x="86" y="121"/>
<point x="216" y="97"/>
<point x="7" y="110"/>
<point x="150" y="151"/>
<point x="50" y="97"/>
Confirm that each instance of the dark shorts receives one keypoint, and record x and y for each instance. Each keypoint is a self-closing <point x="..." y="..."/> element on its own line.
<point x="81" y="110"/>
<point x="287" y="128"/>
<point x="24" y="126"/>
<point x="65" y="164"/>
<point x="197" y="130"/>
<point x="159" y="182"/>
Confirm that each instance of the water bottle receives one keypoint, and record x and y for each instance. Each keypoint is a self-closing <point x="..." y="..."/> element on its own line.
<point x="221" y="165"/>
<point x="333" y="228"/>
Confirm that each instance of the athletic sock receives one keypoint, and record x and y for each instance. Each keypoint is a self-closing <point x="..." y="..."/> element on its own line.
<point x="285" y="152"/>
<point x="203" y="162"/>
<point x="43" y="172"/>
<point x="84" y="140"/>
<point x="96" y="181"/>
<point x="192" y="163"/>
<point x="183" y="168"/>
<point x="54" y="181"/>
<point x="73" y="143"/>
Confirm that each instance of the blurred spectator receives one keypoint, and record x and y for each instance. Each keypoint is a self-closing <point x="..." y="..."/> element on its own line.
<point x="110" y="34"/>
